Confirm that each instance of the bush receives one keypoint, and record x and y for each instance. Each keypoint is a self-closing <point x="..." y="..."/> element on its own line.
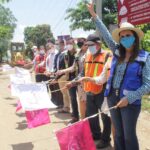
<point x="146" y="41"/>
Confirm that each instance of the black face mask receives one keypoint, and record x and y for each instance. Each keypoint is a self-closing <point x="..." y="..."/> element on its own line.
<point x="80" y="44"/>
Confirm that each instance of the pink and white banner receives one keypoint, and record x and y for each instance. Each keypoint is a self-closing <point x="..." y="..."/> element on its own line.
<point x="76" y="137"/>
<point x="37" y="118"/>
<point x="18" y="79"/>
<point x="34" y="96"/>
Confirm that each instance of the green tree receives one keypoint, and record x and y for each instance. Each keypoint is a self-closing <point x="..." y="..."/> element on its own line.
<point x="80" y="17"/>
<point x="7" y="26"/>
<point x="37" y="36"/>
<point x="3" y="1"/>
<point x="146" y="41"/>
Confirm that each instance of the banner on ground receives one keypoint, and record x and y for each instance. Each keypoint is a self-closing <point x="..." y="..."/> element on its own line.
<point x="37" y="118"/>
<point x="34" y="96"/>
<point x="22" y="71"/>
<point x="18" y="79"/>
<point x="134" y="11"/>
<point x="76" y="137"/>
<point x="6" y="68"/>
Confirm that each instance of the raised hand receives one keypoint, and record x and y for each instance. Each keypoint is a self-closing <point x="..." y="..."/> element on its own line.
<point x="90" y="7"/>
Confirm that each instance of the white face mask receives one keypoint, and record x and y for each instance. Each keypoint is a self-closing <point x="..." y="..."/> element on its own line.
<point x="42" y="52"/>
<point x="49" y="51"/>
<point x="93" y="50"/>
<point x="69" y="47"/>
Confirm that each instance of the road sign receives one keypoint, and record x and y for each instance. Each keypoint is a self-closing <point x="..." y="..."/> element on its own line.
<point x="134" y="11"/>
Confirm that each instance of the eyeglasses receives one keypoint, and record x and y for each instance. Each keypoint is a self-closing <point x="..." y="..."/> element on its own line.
<point x="128" y="35"/>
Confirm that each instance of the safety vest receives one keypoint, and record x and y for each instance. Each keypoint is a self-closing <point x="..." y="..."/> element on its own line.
<point x="108" y="63"/>
<point x="132" y="77"/>
<point x="93" y="67"/>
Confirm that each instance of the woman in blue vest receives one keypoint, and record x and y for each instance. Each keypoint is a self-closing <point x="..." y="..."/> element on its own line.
<point x="129" y="80"/>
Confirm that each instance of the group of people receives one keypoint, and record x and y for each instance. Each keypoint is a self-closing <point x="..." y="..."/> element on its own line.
<point x="86" y="74"/>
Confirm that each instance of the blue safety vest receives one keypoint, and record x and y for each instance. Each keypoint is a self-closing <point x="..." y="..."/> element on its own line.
<point x="132" y="78"/>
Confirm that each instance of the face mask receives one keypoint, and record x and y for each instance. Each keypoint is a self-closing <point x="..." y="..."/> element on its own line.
<point x="42" y="52"/>
<point x="80" y="44"/>
<point x="69" y="47"/>
<point x="127" y="42"/>
<point x="48" y="52"/>
<point x="93" y="50"/>
<point x="57" y="47"/>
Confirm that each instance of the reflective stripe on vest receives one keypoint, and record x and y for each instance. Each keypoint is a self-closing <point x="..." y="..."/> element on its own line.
<point x="93" y="68"/>
<point x="96" y="70"/>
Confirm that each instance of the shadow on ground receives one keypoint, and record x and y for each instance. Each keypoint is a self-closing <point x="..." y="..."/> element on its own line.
<point x="14" y="104"/>
<point x="62" y="116"/>
<point x="20" y="114"/>
<point x="22" y="125"/>
<point x="9" y="98"/>
<point x="23" y="146"/>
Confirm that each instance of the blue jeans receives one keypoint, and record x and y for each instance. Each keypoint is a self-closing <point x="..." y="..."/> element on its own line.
<point x="124" y="120"/>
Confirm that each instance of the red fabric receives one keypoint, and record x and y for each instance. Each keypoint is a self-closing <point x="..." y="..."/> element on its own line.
<point x="20" y="62"/>
<point x="76" y="137"/>
<point x="39" y="58"/>
<point x="37" y="118"/>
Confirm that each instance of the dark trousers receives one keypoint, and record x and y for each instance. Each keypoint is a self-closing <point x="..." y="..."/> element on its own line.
<point x="124" y="120"/>
<point x="74" y="104"/>
<point x="93" y="104"/>
<point x="40" y="77"/>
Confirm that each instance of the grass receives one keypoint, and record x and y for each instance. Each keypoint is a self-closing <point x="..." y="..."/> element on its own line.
<point x="146" y="103"/>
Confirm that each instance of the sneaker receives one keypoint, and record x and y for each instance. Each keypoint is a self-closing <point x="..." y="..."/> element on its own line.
<point x="102" y="144"/>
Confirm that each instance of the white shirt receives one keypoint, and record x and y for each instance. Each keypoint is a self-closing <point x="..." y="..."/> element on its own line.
<point x="50" y="60"/>
<point x="102" y="78"/>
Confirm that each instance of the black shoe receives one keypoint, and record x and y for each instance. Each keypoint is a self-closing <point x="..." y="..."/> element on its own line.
<point x="73" y="120"/>
<point x="63" y="111"/>
<point x="102" y="144"/>
<point x="95" y="138"/>
<point x="59" y="107"/>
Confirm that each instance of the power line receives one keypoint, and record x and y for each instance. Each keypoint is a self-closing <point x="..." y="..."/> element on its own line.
<point x="62" y="28"/>
<point x="62" y="18"/>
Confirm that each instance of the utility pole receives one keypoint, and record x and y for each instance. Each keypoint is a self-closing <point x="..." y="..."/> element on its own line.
<point x="98" y="4"/>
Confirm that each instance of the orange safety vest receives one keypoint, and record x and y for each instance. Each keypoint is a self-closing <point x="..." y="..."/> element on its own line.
<point x="93" y="67"/>
<point x="108" y="63"/>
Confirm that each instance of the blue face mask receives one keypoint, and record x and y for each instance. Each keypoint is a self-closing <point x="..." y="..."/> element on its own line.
<point x="127" y="41"/>
<point x="93" y="50"/>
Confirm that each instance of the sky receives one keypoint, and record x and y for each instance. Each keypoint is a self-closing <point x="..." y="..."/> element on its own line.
<point x="36" y="12"/>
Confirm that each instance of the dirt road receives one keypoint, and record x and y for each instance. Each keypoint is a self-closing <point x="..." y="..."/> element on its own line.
<point x="14" y="134"/>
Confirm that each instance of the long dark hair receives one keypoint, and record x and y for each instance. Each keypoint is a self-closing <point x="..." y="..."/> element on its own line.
<point x="135" y="52"/>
